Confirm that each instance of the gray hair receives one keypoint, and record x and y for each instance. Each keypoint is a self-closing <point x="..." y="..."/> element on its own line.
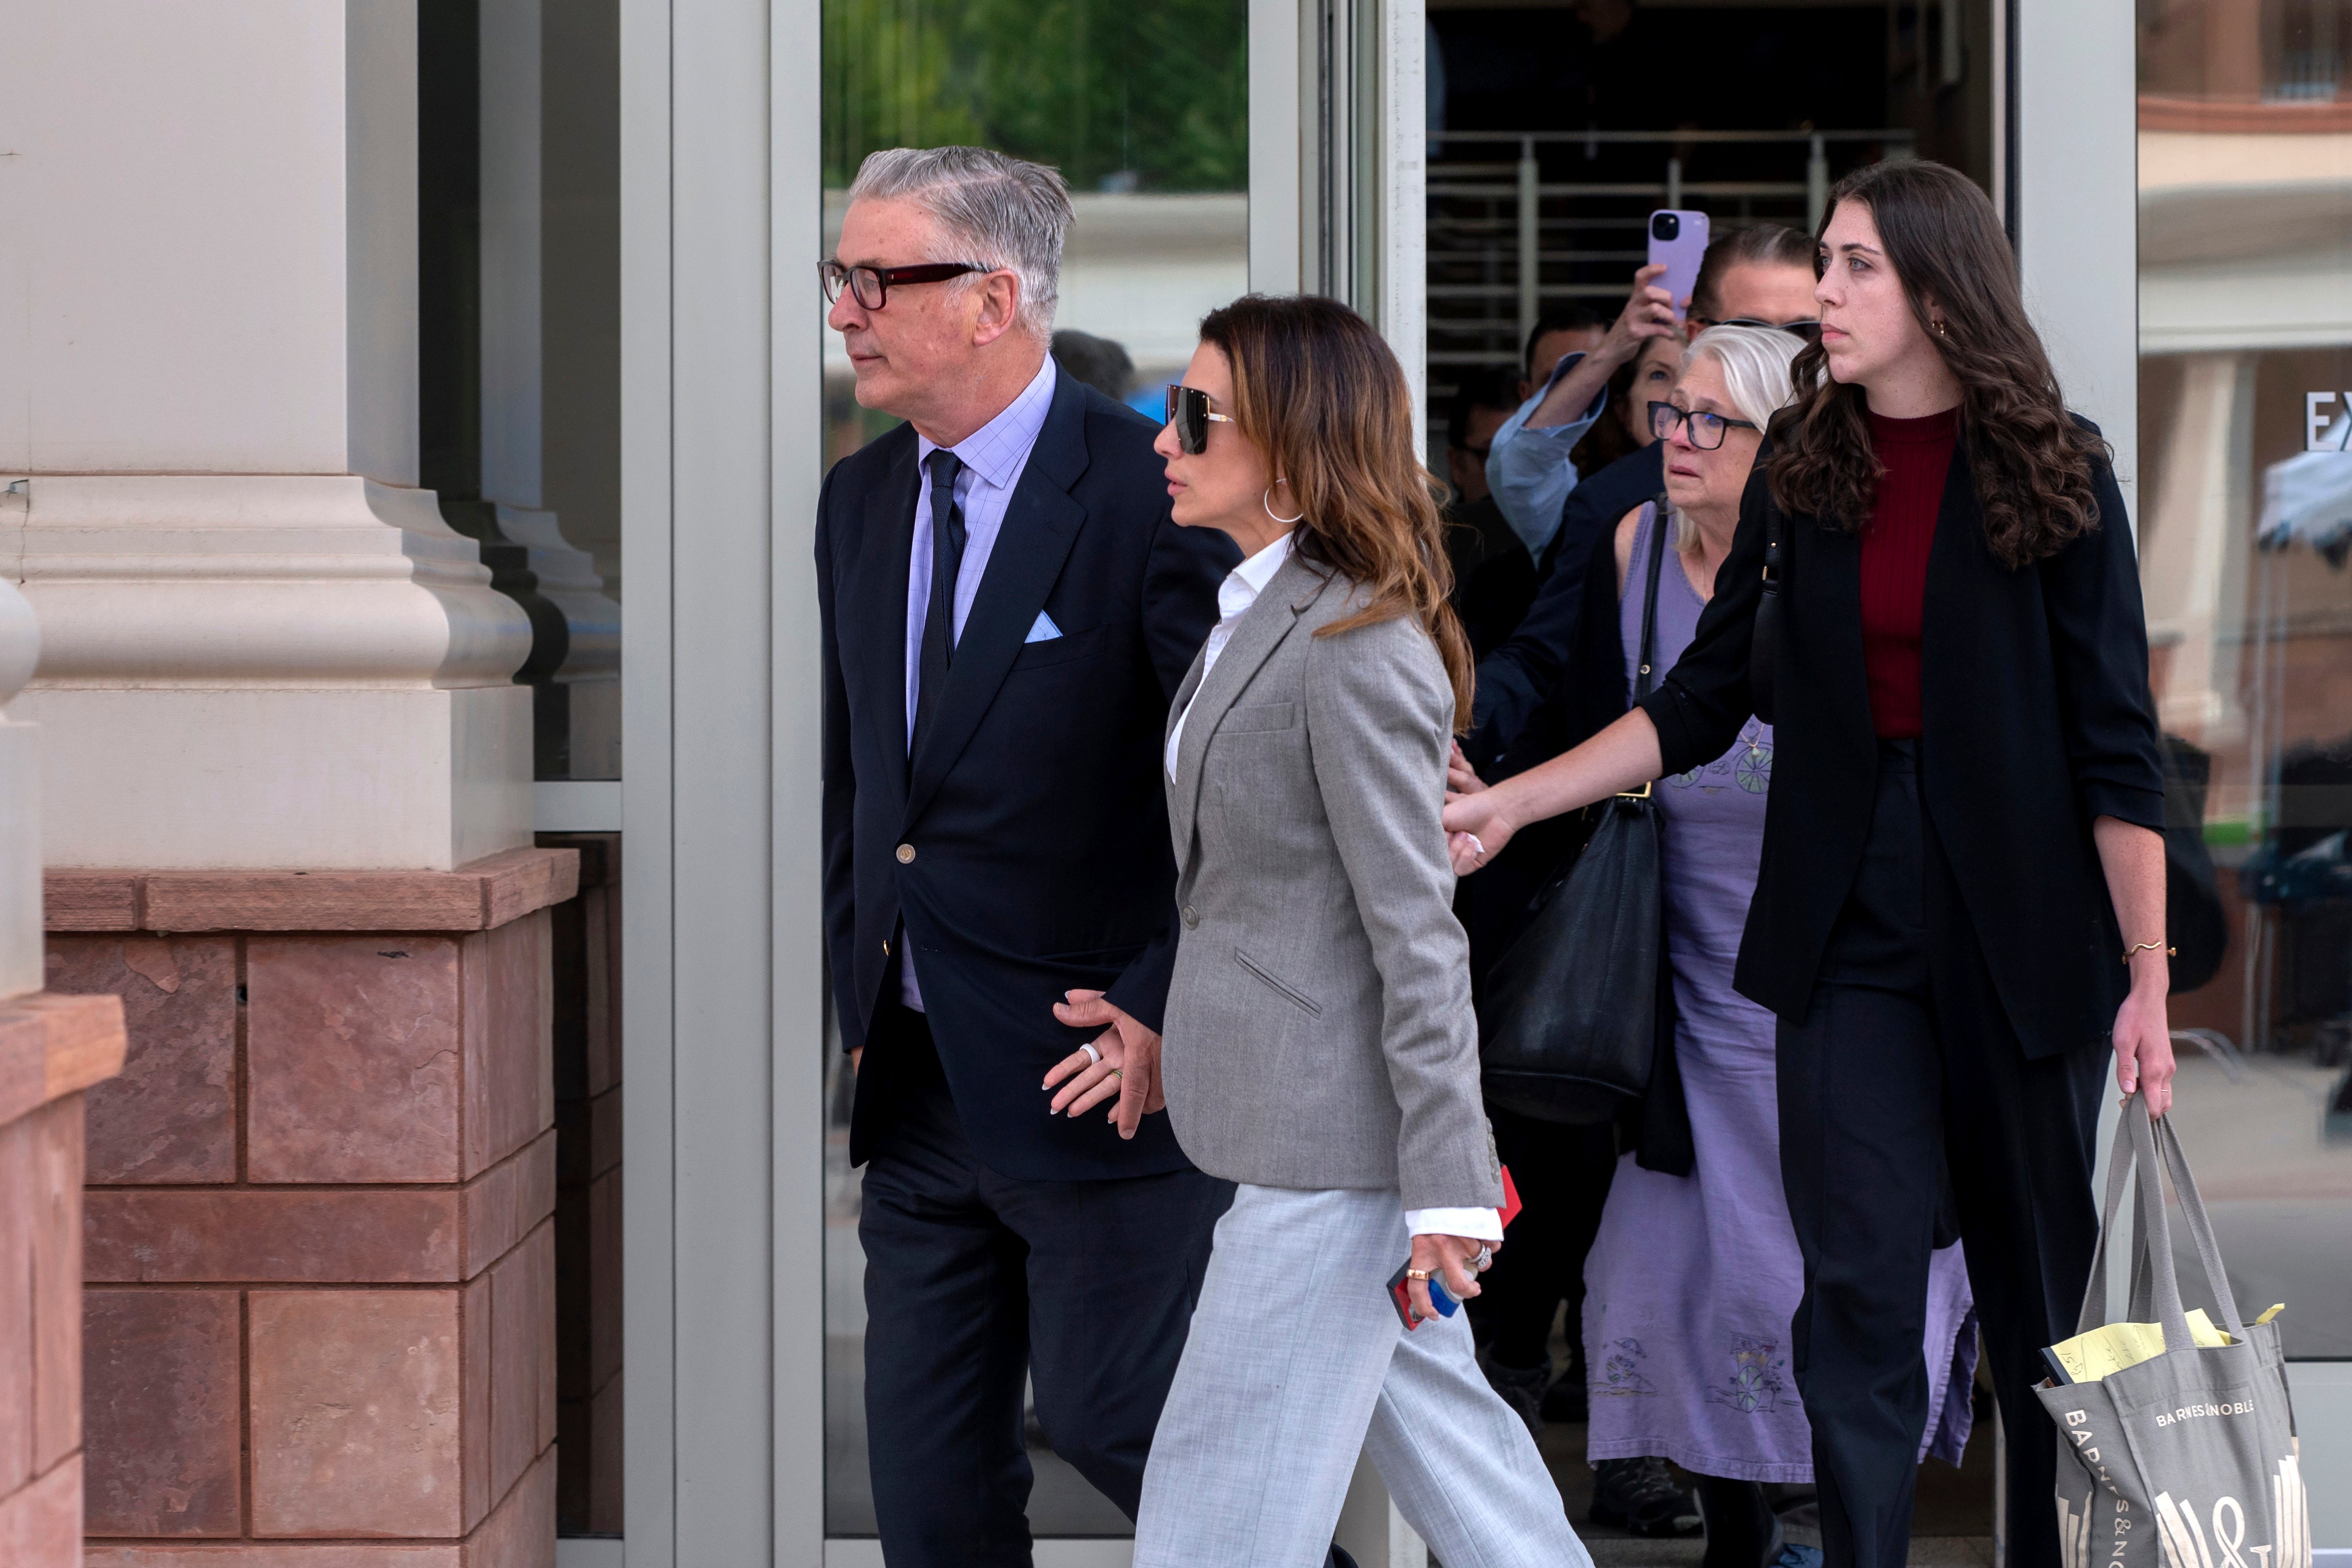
<point x="1755" y="362"/>
<point x="1755" y="365"/>
<point x="1002" y="212"/>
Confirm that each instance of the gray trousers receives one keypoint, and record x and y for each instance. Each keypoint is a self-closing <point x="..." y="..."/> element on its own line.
<point x="1296" y="1362"/>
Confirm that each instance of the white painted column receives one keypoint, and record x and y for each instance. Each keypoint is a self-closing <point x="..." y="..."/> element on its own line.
<point x="260" y="644"/>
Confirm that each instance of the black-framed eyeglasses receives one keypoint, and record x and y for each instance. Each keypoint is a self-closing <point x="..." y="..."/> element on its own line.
<point x="1189" y="413"/>
<point x="871" y="285"/>
<point x="1705" y="430"/>
<point x="1808" y="330"/>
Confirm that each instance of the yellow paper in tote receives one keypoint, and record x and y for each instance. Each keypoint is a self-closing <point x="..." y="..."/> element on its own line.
<point x="2089" y="1357"/>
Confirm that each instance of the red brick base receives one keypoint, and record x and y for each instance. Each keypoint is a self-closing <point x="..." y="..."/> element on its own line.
<point x="320" y="1257"/>
<point x="51" y="1050"/>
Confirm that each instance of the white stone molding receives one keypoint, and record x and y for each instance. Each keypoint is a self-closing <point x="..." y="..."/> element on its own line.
<point x="567" y="579"/>
<point x="254" y="670"/>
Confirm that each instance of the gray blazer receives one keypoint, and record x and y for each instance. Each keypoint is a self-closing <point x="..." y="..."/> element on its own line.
<point x="1318" y="1028"/>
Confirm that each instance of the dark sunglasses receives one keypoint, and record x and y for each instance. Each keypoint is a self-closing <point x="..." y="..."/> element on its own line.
<point x="871" y="285"/>
<point x="1188" y="412"/>
<point x="1809" y="331"/>
<point x="1705" y="429"/>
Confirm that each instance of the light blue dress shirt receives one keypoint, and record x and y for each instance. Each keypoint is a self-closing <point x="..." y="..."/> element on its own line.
<point x="1528" y="471"/>
<point x="993" y="458"/>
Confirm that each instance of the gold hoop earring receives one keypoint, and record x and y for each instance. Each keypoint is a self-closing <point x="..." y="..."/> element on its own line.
<point x="1266" y="501"/>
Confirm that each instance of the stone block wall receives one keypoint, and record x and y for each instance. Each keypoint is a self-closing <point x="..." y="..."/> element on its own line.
<point x="320" y="1243"/>
<point x="51" y="1050"/>
<point x="586" y="934"/>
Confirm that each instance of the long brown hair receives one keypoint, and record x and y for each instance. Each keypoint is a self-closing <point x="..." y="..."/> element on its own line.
<point x="1320" y="393"/>
<point x="2030" y="461"/>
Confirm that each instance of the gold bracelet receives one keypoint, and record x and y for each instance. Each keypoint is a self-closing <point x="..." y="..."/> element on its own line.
<point x="2143" y="947"/>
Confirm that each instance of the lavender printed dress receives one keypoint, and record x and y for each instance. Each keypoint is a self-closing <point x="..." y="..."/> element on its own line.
<point x="1691" y="1283"/>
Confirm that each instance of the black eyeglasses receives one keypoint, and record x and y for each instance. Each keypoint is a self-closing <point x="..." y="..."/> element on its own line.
<point x="871" y="285"/>
<point x="1808" y="330"/>
<point x="1188" y="410"/>
<point x="1705" y="429"/>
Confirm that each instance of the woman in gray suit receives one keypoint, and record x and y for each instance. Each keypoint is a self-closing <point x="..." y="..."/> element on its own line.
<point x="1320" y="1049"/>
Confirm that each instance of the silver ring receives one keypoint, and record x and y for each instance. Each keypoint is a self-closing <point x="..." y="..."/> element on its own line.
<point x="1093" y="1057"/>
<point x="1483" y="1261"/>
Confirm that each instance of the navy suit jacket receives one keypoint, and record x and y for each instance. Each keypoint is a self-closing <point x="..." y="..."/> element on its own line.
<point x="1024" y="846"/>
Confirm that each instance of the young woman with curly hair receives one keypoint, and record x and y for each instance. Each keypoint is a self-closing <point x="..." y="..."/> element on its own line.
<point x="1959" y="902"/>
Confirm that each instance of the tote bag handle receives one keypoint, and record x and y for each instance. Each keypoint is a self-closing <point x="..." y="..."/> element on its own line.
<point x="2137" y="1146"/>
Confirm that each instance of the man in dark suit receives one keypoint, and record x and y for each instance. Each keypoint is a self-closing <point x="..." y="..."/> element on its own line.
<point x="1006" y="609"/>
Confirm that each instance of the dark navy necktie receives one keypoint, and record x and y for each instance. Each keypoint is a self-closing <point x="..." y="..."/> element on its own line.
<point x="946" y="563"/>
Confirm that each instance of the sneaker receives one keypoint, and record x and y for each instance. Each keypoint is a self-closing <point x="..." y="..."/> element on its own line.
<point x="1640" y="1495"/>
<point x="1564" y="1402"/>
<point x="1522" y="1389"/>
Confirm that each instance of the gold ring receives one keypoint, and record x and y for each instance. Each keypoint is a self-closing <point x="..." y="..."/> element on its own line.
<point x="1119" y="1075"/>
<point x="1417" y="1273"/>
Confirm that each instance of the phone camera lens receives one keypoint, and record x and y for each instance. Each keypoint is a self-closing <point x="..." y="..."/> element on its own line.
<point x="1666" y="225"/>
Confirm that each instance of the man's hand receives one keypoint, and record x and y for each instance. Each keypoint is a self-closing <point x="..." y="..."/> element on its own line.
<point x="1461" y="778"/>
<point x="1129" y="1067"/>
<point x="1449" y="1258"/>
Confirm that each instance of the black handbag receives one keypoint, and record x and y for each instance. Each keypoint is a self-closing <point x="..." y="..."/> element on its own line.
<point x="1568" y="1021"/>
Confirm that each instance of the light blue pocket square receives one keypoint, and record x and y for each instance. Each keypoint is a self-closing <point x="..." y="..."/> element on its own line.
<point x="1044" y="630"/>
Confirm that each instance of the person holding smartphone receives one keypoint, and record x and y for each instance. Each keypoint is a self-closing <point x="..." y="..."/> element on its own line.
<point x="1318" y="1046"/>
<point x="1960" y="899"/>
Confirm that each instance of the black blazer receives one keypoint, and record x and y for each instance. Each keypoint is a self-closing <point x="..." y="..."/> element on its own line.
<point x="2036" y="717"/>
<point x="1034" y="807"/>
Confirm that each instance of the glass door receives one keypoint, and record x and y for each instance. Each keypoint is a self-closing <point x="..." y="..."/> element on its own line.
<point x="2245" y="431"/>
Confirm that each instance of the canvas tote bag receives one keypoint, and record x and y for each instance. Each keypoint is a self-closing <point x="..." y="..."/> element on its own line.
<point x="2186" y="1459"/>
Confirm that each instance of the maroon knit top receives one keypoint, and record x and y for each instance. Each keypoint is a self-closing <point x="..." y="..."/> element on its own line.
<point x="1917" y="457"/>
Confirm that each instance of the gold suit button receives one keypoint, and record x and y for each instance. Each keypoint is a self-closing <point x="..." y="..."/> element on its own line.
<point x="906" y="854"/>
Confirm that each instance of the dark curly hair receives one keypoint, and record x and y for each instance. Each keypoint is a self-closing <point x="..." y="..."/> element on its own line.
<point x="2032" y="461"/>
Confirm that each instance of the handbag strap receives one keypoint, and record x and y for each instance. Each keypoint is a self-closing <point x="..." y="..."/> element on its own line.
<point x="1659" y="527"/>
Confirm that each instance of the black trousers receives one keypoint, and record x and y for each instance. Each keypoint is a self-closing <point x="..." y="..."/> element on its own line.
<point x="973" y="1280"/>
<point x="1561" y="1175"/>
<point x="1904" y="1059"/>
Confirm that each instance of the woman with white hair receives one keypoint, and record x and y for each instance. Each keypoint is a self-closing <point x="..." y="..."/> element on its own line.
<point x="1692" y="1282"/>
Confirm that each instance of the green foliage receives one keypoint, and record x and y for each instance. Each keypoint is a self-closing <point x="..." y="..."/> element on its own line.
<point x="1155" y="91"/>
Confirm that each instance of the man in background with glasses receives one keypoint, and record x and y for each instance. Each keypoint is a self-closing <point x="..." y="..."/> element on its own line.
<point x="1006" y="609"/>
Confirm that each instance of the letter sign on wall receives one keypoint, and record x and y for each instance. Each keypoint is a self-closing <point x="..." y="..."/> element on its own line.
<point x="2317" y="418"/>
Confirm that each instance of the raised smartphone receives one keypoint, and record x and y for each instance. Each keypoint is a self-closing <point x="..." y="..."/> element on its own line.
<point x="1677" y="242"/>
